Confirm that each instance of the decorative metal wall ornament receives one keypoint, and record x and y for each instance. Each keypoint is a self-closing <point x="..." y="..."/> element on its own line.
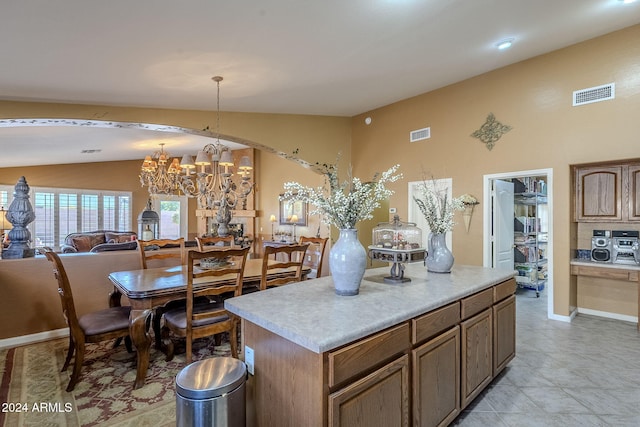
<point x="491" y="131"/>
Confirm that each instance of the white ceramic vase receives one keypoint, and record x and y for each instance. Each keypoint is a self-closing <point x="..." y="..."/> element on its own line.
<point x="347" y="261"/>
<point x="439" y="257"/>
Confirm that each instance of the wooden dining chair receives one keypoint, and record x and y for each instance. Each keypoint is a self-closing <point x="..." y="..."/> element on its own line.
<point x="198" y="320"/>
<point x="150" y="251"/>
<point x="214" y="242"/>
<point x="315" y="253"/>
<point x="273" y="268"/>
<point x="92" y="327"/>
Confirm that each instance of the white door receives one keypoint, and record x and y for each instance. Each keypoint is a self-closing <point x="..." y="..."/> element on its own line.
<point x="502" y="224"/>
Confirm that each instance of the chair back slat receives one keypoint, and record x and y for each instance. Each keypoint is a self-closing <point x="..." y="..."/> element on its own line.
<point x="315" y="254"/>
<point x="147" y="254"/>
<point x="235" y="270"/>
<point x="64" y="290"/>
<point x="294" y="258"/>
<point x="213" y="242"/>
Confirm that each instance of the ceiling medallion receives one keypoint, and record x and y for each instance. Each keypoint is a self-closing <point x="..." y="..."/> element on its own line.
<point x="491" y="131"/>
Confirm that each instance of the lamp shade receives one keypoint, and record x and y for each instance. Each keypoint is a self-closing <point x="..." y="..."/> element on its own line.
<point x="187" y="162"/>
<point x="202" y="159"/>
<point x="245" y="164"/>
<point x="272" y="218"/>
<point x="294" y="218"/>
<point x="225" y="158"/>
<point x="4" y="222"/>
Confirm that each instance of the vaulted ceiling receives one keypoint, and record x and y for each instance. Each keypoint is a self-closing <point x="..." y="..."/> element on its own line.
<point x="332" y="57"/>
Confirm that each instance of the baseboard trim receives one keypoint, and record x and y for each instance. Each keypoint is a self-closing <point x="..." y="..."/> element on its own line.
<point x="33" y="338"/>
<point x="560" y="318"/>
<point x="615" y="316"/>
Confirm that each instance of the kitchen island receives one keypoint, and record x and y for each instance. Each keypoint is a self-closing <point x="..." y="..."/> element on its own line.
<point x="420" y="350"/>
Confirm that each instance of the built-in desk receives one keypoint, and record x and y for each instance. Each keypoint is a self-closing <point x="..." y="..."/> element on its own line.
<point x="622" y="272"/>
<point x="421" y="350"/>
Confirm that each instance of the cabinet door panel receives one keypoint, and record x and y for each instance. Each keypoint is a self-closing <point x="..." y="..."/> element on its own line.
<point x="380" y="399"/>
<point x="477" y="355"/>
<point x="436" y="380"/>
<point x="634" y="192"/>
<point x="598" y="195"/>
<point x="504" y="333"/>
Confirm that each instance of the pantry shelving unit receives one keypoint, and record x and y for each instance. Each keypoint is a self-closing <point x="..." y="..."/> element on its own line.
<point x="530" y="234"/>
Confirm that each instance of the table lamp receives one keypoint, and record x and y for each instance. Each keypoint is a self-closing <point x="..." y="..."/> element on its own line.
<point x="294" y="220"/>
<point x="272" y="218"/>
<point x="4" y="226"/>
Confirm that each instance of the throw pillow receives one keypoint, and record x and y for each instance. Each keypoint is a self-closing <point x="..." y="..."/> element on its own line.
<point x="96" y="239"/>
<point x="118" y="237"/>
<point x="82" y="243"/>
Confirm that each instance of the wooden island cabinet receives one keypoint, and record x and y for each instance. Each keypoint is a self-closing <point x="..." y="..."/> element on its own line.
<point x="394" y="355"/>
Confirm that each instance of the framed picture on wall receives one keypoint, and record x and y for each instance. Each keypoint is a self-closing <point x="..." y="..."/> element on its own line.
<point x="293" y="212"/>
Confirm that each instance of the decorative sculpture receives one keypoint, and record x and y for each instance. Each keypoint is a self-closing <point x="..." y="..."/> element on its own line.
<point x="20" y="214"/>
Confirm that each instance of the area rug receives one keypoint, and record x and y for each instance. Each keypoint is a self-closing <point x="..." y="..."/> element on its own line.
<point x="32" y="390"/>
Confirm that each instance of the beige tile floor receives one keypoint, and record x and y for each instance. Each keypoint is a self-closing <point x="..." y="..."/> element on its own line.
<point x="583" y="373"/>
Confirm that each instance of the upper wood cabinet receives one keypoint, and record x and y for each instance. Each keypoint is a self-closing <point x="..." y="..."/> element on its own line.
<point x="633" y="185"/>
<point x="607" y="193"/>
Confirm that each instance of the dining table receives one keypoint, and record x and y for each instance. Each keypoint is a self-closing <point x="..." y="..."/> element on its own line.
<point x="149" y="288"/>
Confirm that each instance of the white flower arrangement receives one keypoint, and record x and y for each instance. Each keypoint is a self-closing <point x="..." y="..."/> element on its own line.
<point x="469" y="200"/>
<point x="436" y="207"/>
<point x="343" y="204"/>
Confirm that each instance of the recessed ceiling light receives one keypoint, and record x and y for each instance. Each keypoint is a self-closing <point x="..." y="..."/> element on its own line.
<point x="504" y="44"/>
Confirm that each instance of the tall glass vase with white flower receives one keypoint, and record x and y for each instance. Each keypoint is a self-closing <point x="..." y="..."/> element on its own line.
<point x="343" y="204"/>
<point x="438" y="210"/>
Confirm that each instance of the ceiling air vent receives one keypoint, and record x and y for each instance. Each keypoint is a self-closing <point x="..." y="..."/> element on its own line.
<point x="420" y="134"/>
<point x="594" y="94"/>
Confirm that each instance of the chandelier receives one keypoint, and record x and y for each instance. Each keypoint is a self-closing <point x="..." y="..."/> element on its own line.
<point x="208" y="178"/>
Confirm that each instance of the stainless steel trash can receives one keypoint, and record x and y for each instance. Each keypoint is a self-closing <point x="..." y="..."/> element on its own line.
<point x="211" y="392"/>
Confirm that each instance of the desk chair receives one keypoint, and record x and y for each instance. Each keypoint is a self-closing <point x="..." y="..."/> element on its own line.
<point x="197" y="321"/>
<point x="208" y="243"/>
<point x="294" y="257"/>
<point x="148" y="252"/>
<point x="92" y="327"/>
<point x="314" y="255"/>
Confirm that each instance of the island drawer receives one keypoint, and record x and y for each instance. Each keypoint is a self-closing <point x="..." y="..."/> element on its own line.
<point x="504" y="290"/>
<point x="367" y="353"/>
<point x="476" y="303"/>
<point x="434" y="322"/>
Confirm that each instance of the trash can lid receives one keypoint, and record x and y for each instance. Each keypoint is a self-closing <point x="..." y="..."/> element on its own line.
<point x="210" y="378"/>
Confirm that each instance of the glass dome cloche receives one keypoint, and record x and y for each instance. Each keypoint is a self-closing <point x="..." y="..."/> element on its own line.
<point x="397" y="242"/>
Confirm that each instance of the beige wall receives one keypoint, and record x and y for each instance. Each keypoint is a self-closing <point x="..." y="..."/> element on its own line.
<point x="535" y="98"/>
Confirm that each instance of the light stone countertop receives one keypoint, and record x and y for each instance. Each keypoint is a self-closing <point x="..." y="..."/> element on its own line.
<point x="311" y="315"/>
<point x="589" y="263"/>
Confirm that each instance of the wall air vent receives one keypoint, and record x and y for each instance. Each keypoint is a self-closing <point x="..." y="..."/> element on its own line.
<point x="419" y="135"/>
<point x="91" y="151"/>
<point x="594" y="94"/>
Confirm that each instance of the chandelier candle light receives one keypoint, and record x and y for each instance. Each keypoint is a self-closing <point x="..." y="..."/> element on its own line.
<point x="208" y="178"/>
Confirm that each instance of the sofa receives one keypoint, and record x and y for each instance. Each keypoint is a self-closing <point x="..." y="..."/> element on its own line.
<point x="99" y="241"/>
